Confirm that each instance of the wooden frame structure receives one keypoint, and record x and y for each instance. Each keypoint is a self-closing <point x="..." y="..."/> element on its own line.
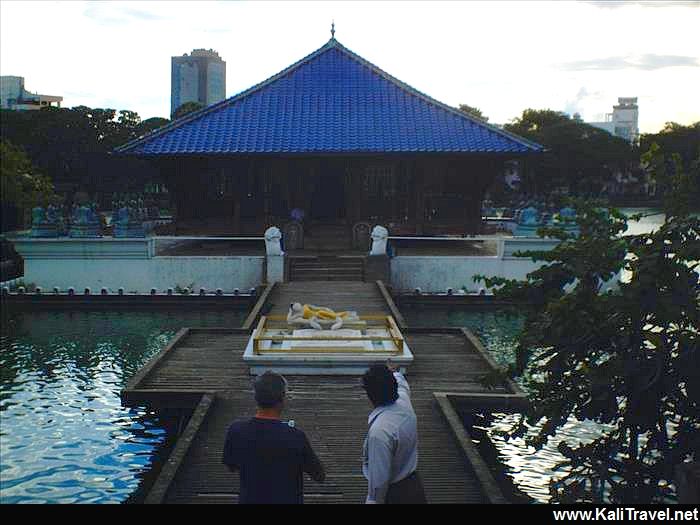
<point x="382" y="321"/>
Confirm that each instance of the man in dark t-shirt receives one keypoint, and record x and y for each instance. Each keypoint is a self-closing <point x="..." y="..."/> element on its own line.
<point x="270" y="454"/>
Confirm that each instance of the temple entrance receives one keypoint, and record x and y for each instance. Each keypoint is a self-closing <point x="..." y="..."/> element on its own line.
<point x="326" y="227"/>
<point x="328" y="198"/>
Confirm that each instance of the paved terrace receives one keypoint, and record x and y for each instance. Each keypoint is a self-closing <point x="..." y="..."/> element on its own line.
<point x="204" y="367"/>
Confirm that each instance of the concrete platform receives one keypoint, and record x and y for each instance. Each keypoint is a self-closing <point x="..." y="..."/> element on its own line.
<point x="336" y="361"/>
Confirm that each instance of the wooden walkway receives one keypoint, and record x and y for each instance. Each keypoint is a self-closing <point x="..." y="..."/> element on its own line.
<point x="365" y="298"/>
<point x="205" y="366"/>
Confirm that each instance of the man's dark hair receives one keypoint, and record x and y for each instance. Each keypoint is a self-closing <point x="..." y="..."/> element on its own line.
<point x="380" y="384"/>
<point x="270" y="389"/>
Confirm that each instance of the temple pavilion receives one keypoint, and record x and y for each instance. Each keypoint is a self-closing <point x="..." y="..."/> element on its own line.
<point x="337" y="137"/>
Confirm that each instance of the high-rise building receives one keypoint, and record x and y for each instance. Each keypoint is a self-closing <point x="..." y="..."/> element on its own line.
<point x="14" y="96"/>
<point x="197" y="77"/>
<point x="623" y="122"/>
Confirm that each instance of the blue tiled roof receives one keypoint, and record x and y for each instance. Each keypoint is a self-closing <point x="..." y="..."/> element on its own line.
<point x="331" y="101"/>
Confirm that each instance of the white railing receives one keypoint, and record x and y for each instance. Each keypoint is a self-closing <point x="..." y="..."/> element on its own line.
<point x="11" y="282"/>
<point x="198" y="238"/>
<point x="505" y="246"/>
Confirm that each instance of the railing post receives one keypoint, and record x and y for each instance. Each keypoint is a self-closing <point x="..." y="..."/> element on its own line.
<point x="500" y="248"/>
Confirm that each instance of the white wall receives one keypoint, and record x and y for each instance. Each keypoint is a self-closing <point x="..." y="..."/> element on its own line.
<point x="130" y="264"/>
<point x="141" y="275"/>
<point x="437" y="274"/>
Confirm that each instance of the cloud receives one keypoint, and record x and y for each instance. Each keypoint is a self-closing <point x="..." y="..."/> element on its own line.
<point x="142" y="15"/>
<point x="111" y="15"/>
<point x="79" y="94"/>
<point x="614" y="4"/>
<point x="575" y="106"/>
<point x="215" y="30"/>
<point x="648" y="62"/>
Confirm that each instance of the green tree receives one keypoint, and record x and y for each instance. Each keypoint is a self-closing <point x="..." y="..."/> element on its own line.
<point x="683" y="141"/>
<point x="474" y="112"/>
<point x="21" y="186"/>
<point x="186" y="108"/>
<point x="152" y="124"/>
<point x="72" y="146"/>
<point x="579" y="156"/>
<point x="627" y="357"/>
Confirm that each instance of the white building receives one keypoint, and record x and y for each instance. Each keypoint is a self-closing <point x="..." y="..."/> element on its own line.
<point x="14" y="96"/>
<point x="197" y="77"/>
<point x="623" y="122"/>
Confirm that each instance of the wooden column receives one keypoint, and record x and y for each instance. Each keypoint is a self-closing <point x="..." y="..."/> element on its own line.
<point x="411" y="197"/>
<point x="348" y="192"/>
<point x="179" y="189"/>
<point x="310" y="181"/>
<point x="286" y="190"/>
<point x="471" y="171"/>
<point x="419" y="191"/>
<point x="357" y="190"/>
<point x="396" y="169"/>
<point x="239" y="172"/>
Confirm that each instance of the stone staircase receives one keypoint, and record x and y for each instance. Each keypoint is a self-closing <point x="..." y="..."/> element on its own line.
<point x="330" y="268"/>
<point x="327" y="238"/>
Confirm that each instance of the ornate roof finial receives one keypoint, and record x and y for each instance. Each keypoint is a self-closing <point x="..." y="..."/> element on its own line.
<point x="333" y="29"/>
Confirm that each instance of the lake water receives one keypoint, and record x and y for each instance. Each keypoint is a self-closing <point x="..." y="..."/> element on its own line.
<point x="64" y="435"/>
<point x="528" y="470"/>
<point x="651" y="219"/>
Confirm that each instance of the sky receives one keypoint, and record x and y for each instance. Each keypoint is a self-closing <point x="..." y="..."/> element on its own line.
<point x="501" y="56"/>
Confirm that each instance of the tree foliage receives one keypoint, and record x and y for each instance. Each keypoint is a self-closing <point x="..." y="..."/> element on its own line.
<point x="152" y="124"/>
<point x="186" y="108"/>
<point x="72" y="145"/>
<point x="628" y="357"/>
<point x="682" y="145"/>
<point x="22" y="187"/>
<point x="474" y="112"/>
<point x="579" y="156"/>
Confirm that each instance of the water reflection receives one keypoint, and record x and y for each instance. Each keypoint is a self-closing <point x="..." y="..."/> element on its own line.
<point x="527" y="472"/>
<point x="64" y="435"/>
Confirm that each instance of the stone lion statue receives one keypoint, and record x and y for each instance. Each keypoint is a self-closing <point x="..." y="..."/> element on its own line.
<point x="273" y="235"/>
<point x="379" y="239"/>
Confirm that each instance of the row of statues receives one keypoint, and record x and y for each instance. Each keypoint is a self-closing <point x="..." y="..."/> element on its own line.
<point x="529" y="219"/>
<point x="84" y="221"/>
<point x="55" y="221"/>
<point x="139" y="208"/>
<point x="524" y="218"/>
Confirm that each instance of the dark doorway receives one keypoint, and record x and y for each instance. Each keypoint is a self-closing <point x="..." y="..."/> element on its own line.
<point x="328" y="198"/>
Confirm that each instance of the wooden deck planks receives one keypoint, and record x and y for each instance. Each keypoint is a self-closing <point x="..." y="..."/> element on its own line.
<point x="364" y="298"/>
<point x="332" y="410"/>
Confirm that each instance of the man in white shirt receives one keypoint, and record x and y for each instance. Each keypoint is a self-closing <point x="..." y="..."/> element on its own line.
<point x="390" y="452"/>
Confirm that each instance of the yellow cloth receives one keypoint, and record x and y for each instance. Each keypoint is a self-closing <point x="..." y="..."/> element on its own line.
<point x="322" y="313"/>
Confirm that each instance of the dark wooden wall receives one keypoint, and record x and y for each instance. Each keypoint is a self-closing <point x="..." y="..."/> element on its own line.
<point x="418" y="194"/>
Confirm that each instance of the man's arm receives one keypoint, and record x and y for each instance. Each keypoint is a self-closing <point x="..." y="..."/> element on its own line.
<point x="402" y="384"/>
<point x="231" y="455"/>
<point x="312" y="465"/>
<point x="378" y="468"/>
<point x="400" y="379"/>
